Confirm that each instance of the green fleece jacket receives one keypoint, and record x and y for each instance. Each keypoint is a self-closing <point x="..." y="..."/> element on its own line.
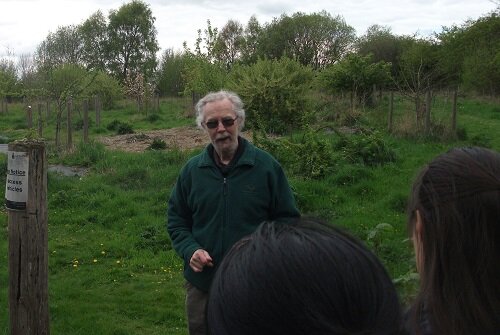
<point x="210" y="211"/>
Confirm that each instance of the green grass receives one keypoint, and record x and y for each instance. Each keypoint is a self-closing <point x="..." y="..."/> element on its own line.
<point x="111" y="266"/>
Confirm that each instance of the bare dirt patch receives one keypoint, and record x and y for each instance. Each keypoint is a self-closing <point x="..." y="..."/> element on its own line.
<point x="182" y="138"/>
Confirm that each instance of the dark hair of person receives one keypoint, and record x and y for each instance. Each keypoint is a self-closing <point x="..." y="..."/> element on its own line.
<point x="458" y="197"/>
<point x="306" y="277"/>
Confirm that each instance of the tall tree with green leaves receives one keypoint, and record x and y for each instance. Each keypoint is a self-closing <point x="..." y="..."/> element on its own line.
<point x="251" y="36"/>
<point x="170" y="79"/>
<point x="229" y="44"/>
<point x="356" y="75"/>
<point x="317" y="39"/>
<point x="94" y="35"/>
<point x="62" y="47"/>
<point x="132" y="40"/>
<point x="382" y="44"/>
<point x="8" y="79"/>
<point x="419" y="72"/>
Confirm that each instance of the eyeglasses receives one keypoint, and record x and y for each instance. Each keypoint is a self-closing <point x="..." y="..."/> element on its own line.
<point x="226" y="122"/>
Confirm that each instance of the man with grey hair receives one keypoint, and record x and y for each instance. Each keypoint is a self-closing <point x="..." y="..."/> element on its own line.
<point x="222" y="195"/>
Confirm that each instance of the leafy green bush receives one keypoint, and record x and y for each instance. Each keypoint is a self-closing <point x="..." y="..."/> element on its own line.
<point x="113" y="125"/>
<point x="311" y="157"/>
<point x="368" y="148"/>
<point x="153" y="118"/>
<point x="275" y="93"/>
<point x="107" y="88"/>
<point x="125" y="128"/>
<point x="157" y="144"/>
<point x="78" y="124"/>
<point x="120" y="127"/>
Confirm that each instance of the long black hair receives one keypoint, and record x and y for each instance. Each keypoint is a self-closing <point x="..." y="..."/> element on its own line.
<point x="306" y="277"/>
<point x="458" y="198"/>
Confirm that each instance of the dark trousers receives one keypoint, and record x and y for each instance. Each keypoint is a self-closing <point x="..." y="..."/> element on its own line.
<point x="196" y="306"/>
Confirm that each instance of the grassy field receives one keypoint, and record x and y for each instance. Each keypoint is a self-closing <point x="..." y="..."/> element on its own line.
<point x="111" y="266"/>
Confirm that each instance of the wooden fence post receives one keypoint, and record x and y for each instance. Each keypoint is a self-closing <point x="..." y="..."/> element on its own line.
<point x="85" y="121"/>
<point x="47" y="109"/>
<point x="391" y="112"/>
<point x="29" y="115"/>
<point x="26" y="203"/>
<point x="40" y="123"/>
<point x="454" y="112"/>
<point x="97" y="111"/>
<point x="427" y="111"/>
<point x="68" y="124"/>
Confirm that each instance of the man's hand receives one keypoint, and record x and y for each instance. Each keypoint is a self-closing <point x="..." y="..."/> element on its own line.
<point x="199" y="260"/>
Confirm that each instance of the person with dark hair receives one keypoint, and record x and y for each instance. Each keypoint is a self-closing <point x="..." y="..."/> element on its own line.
<point x="454" y="222"/>
<point x="306" y="277"/>
<point x="221" y="195"/>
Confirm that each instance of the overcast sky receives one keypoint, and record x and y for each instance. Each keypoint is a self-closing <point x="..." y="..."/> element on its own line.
<point x="25" y="23"/>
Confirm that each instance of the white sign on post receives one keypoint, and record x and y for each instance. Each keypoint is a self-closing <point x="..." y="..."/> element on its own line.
<point x="16" y="185"/>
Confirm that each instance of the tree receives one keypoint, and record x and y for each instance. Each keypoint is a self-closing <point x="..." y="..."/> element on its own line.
<point x="481" y="64"/>
<point x="62" y="47"/>
<point x="106" y="87"/>
<point x="8" y="79"/>
<point x="229" y="43"/>
<point x="132" y="40"/>
<point x="251" y="36"/>
<point x="95" y="41"/>
<point x="419" y="72"/>
<point x="316" y="39"/>
<point x="64" y="82"/>
<point x="275" y="93"/>
<point x="381" y="44"/>
<point x="170" y="79"/>
<point x="202" y="76"/>
<point x="355" y="74"/>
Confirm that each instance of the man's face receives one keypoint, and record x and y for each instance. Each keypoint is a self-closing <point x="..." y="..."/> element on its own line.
<point x="224" y="138"/>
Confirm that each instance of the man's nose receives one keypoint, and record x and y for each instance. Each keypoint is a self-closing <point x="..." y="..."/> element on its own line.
<point x="220" y="126"/>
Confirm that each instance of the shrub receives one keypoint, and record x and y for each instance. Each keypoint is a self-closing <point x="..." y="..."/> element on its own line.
<point x="275" y="93"/>
<point x="157" y="144"/>
<point x="124" y="128"/>
<point x="368" y="148"/>
<point x="113" y="125"/>
<point x="78" y="125"/>
<point x="120" y="127"/>
<point x="153" y="118"/>
<point x="311" y="158"/>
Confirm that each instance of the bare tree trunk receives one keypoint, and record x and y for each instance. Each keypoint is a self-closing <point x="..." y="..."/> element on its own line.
<point x="40" y="123"/>
<point x="454" y="111"/>
<point x="47" y="109"/>
<point x="69" y="145"/>
<point x="85" y="121"/>
<point x="29" y="115"/>
<point x="427" y="112"/>
<point x="58" y="125"/>
<point x="97" y="111"/>
<point x="391" y="112"/>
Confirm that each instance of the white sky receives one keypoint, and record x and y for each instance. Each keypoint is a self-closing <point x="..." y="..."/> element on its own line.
<point x="26" y="23"/>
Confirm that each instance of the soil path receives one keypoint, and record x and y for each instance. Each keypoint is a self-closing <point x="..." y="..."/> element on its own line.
<point x="182" y="138"/>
